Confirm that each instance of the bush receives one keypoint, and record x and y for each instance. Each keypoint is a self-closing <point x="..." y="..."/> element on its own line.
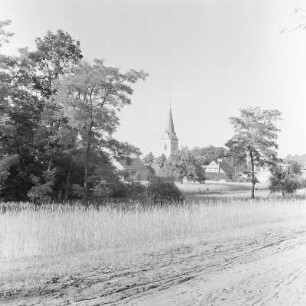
<point x="286" y="178"/>
<point x="160" y="191"/>
<point x="108" y="190"/>
<point x="135" y="191"/>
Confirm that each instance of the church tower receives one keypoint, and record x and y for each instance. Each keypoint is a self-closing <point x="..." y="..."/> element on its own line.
<point x="169" y="139"/>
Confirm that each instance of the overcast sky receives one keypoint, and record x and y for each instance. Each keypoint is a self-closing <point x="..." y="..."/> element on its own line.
<point x="210" y="58"/>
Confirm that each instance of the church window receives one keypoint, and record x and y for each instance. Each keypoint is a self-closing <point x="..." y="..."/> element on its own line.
<point x="165" y="146"/>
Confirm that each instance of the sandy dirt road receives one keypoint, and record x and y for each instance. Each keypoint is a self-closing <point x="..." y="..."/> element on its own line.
<point x="266" y="268"/>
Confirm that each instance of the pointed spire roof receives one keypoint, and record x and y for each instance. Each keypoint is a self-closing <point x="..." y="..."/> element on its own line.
<point x="170" y="126"/>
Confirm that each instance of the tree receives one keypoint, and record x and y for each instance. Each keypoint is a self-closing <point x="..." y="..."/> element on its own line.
<point x="90" y="99"/>
<point x="285" y="177"/>
<point x="255" y="138"/>
<point x="185" y="165"/>
<point x="56" y="55"/>
<point x="148" y="159"/>
<point x="19" y="115"/>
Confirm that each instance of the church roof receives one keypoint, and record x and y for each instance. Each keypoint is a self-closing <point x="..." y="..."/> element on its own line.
<point x="170" y="126"/>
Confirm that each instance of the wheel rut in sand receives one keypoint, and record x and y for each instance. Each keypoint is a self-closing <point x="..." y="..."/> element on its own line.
<point x="259" y="270"/>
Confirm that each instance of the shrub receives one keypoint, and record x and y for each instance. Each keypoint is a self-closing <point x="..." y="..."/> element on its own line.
<point x="160" y="191"/>
<point x="285" y="178"/>
<point x="108" y="190"/>
<point x="135" y="191"/>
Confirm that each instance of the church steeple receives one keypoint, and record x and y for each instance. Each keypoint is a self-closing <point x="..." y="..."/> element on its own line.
<point x="170" y="126"/>
<point x="169" y="139"/>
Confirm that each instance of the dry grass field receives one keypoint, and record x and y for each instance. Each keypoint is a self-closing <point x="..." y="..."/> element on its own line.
<point x="62" y="254"/>
<point x="61" y="230"/>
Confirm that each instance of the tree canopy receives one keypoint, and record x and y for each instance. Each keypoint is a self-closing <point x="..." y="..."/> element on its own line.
<point x="181" y="165"/>
<point x="90" y="99"/>
<point x="58" y="116"/>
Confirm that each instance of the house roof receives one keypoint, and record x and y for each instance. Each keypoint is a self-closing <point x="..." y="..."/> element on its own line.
<point x="227" y="167"/>
<point x="224" y="164"/>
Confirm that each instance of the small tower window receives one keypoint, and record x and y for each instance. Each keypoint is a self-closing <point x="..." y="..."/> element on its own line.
<point x="165" y="146"/>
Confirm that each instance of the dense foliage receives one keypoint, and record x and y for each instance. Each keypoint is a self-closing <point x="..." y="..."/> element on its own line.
<point x="58" y="114"/>
<point x="181" y="165"/>
<point x="286" y="178"/>
<point x="188" y="163"/>
<point x="161" y="191"/>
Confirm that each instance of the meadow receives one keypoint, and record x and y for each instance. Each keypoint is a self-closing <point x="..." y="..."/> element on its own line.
<point x="62" y="229"/>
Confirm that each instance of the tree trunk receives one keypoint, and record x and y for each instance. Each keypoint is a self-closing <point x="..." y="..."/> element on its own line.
<point x="252" y="176"/>
<point x="87" y="155"/>
<point x="56" y="128"/>
<point x="60" y="195"/>
<point x="253" y="191"/>
<point x="50" y="163"/>
<point x="67" y="184"/>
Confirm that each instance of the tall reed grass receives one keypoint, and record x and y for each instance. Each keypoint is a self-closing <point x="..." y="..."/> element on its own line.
<point x="63" y="229"/>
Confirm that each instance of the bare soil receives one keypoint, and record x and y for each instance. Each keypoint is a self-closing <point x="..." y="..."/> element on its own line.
<point x="260" y="266"/>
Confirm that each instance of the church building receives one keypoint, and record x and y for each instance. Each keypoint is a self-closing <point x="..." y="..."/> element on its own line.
<point x="169" y="139"/>
<point x="134" y="169"/>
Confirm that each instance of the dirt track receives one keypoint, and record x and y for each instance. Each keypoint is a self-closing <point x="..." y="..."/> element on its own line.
<point x="262" y="269"/>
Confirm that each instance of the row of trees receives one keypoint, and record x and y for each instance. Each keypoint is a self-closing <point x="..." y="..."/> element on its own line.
<point x="58" y="114"/>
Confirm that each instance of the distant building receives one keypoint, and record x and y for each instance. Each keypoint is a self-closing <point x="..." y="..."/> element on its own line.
<point x="169" y="139"/>
<point x="224" y="169"/>
<point x="220" y="169"/>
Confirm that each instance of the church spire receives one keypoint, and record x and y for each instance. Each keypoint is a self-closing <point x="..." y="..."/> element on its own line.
<point x="170" y="126"/>
<point x="169" y="139"/>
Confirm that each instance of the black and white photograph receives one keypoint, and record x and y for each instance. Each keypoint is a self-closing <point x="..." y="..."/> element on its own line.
<point x="153" y="152"/>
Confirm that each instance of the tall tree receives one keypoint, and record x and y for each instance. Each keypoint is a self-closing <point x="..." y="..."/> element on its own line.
<point x="56" y="55"/>
<point x="255" y="138"/>
<point x="19" y="115"/>
<point x="91" y="98"/>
